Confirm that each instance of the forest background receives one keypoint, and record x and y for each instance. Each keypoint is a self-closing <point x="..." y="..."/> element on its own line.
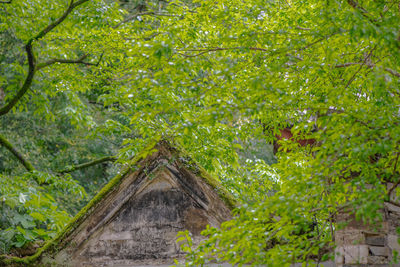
<point x="87" y="84"/>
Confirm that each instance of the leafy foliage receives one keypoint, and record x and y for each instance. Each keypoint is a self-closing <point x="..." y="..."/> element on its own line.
<point x="29" y="212"/>
<point x="216" y="77"/>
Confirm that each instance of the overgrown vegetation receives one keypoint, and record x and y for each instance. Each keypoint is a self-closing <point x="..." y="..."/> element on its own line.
<point x="82" y="80"/>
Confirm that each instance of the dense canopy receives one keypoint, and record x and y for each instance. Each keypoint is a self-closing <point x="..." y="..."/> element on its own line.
<point x="84" y="80"/>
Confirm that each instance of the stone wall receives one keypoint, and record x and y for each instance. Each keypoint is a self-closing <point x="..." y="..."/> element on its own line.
<point x="360" y="244"/>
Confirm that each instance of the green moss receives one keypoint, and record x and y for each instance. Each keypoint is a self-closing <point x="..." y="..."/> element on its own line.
<point x="178" y="154"/>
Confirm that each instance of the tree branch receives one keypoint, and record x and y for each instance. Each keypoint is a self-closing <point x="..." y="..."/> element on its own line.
<point x="56" y="60"/>
<point x="362" y="10"/>
<point x="68" y="61"/>
<point x="31" y="58"/>
<point x="213" y="49"/>
<point x="87" y="164"/>
<point x="27" y="83"/>
<point x="150" y="13"/>
<point x="356" y="5"/>
<point x="393" y="72"/>
<point x="366" y="62"/>
<point x="51" y="26"/>
<point x="394" y="171"/>
<point x="348" y="64"/>
<point x="129" y="18"/>
<point x="4" y="142"/>
<point x="313" y="43"/>
<point x="302" y="28"/>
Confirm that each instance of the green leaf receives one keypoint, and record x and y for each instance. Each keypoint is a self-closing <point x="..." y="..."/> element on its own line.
<point x="38" y="216"/>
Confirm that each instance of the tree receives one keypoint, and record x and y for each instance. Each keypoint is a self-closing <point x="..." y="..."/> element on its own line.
<point x="214" y="76"/>
<point x="41" y="131"/>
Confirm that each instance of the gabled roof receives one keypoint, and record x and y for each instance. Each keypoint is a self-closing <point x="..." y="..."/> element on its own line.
<point x="170" y="153"/>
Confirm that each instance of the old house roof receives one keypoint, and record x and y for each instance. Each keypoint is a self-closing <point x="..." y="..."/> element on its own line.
<point x="165" y="157"/>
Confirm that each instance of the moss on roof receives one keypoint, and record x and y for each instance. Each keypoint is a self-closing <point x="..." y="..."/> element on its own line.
<point x="179" y="154"/>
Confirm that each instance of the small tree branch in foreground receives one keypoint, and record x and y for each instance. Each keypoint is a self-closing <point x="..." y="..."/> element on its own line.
<point x="87" y="164"/>
<point x="4" y="142"/>
<point x="68" y="61"/>
<point x="55" y="60"/>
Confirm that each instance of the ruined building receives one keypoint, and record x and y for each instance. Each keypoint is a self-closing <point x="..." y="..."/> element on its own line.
<point x="135" y="218"/>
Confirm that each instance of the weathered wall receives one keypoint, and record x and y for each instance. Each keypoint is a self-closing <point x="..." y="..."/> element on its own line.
<point x="145" y="229"/>
<point x="138" y="222"/>
<point x="359" y="244"/>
